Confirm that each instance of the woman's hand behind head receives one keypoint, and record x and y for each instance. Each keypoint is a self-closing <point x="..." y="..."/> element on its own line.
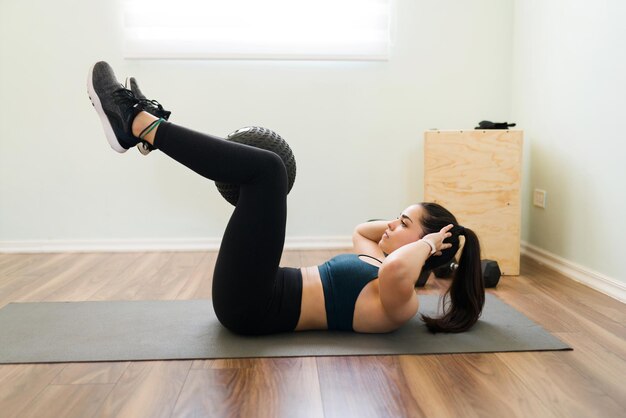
<point x="437" y="238"/>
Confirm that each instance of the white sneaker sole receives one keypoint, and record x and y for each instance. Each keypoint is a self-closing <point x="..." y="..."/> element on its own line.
<point x="108" y="129"/>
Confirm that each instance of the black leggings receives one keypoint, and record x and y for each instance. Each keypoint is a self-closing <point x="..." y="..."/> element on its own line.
<point x="251" y="294"/>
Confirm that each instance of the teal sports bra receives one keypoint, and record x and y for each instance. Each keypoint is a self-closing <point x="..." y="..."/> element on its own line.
<point x="343" y="278"/>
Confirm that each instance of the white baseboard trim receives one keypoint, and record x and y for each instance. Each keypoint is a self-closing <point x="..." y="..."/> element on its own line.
<point x="138" y="245"/>
<point x="607" y="285"/>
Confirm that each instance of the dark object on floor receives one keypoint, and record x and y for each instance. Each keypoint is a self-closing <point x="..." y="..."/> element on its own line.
<point x="491" y="272"/>
<point x="485" y="124"/>
<point x="265" y="139"/>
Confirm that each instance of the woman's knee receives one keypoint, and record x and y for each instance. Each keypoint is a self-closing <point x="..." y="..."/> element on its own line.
<point x="274" y="167"/>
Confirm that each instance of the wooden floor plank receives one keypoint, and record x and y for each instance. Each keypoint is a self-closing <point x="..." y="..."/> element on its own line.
<point x="593" y="305"/>
<point x="431" y="388"/>
<point x="43" y="281"/>
<point x="82" y="287"/>
<point x="198" y="284"/>
<point x="290" y="259"/>
<point x="560" y="386"/>
<point x="555" y="280"/>
<point x="20" y="384"/>
<point x="146" y="389"/>
<point x="128" y="284"/>
<point x="226" y="363"/>
<point x="91" y="373"/>
<point x="37" y="284"/>
<point x="67" y="401"/>
<point x="13" y="265"/>
<point x="604" y="368"/>
<point x="272" y="388"/>
<point x="365" y="387"/>
<point x="466" y="381"/>
<point x="171" y="278"/>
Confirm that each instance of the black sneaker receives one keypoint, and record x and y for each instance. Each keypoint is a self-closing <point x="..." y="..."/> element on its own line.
<point x="151" y="106"/>
<point x="116" y="106"/>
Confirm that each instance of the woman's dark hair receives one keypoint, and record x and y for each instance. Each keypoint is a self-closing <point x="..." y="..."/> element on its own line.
<point x="467" y="292"/>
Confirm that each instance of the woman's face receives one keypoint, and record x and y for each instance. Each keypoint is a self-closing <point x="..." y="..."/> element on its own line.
<point x="407" y="228"/>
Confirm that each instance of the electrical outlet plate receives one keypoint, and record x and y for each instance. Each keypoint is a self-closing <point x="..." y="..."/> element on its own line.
<point x="539" y="198"/>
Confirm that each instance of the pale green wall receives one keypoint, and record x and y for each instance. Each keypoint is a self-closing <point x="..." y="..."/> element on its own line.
<point x="356" y="127"/>
<point x="569" y="95"/>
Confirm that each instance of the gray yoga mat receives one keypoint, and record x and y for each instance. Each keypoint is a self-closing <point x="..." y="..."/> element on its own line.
<point x="49" y="332"/>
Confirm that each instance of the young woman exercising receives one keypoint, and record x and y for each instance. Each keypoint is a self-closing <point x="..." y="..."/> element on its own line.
<point x="372" y="292"/>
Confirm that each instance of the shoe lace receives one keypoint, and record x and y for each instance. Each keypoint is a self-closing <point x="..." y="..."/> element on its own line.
<point x="151" y="103"/>
<point x="125" y="96"/>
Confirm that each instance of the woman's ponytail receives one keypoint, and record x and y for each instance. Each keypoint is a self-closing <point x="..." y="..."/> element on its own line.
<point x="466" y="293"/>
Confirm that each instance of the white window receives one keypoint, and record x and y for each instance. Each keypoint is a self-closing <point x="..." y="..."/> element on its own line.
<point x="257" y="29"/>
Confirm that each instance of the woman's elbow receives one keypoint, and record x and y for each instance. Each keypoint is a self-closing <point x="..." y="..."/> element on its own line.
<point x="356" y="237"/>
<point x="358" y="229"/>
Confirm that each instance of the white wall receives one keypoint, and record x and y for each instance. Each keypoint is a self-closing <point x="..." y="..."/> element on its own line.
<point x="356" y="127"/>
<point x="569" y="95"/>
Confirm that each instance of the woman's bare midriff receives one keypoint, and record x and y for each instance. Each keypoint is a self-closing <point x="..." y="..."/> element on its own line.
<point x="370" y="316"/>
<point x="313" y="309"/>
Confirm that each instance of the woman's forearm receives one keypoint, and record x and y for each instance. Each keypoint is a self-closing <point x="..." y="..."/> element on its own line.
<point x="373" y="230"/>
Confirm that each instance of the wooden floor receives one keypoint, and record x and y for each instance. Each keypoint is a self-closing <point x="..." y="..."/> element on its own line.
<point x="586" y="382"/>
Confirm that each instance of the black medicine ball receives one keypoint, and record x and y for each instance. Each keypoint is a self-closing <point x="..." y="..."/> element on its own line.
<point x="265" y="139"/>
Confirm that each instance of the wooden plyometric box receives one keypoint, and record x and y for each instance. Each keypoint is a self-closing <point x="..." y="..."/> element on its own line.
<point x="476" y="174"/>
